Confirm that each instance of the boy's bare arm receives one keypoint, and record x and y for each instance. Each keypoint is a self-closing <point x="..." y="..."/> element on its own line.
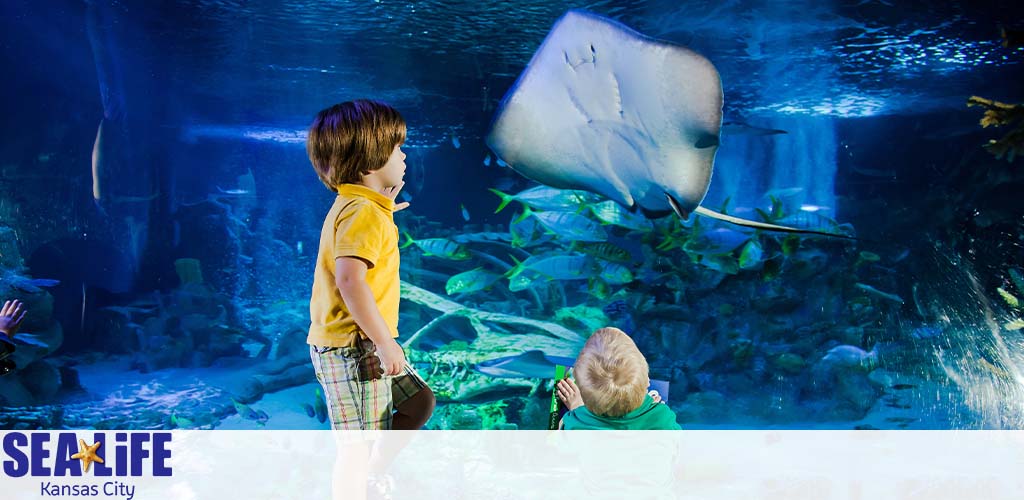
<point x="350" y="278"/>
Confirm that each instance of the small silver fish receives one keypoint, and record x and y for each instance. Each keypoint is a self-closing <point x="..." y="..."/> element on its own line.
<point x="614" y="274"/>
<point x="848" y="356"/>
<point x="751" y="255"/>
<point x="470" y="281"/>
<point x="234" y="192"/>
<point x="438" y="247"/>
<point x="571" y="226"/>
<point x="550" y="267"/>
<point x="878" y="293"/>
<point x="546" y="198"/>
<point x="612" y="213"/>
<point x="783" y="192"/>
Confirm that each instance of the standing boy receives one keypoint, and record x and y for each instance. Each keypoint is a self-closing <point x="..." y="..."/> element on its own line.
<point x="355" y="148"/>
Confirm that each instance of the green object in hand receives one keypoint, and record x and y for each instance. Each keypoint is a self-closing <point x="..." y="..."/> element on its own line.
<point x="560" y="374"/>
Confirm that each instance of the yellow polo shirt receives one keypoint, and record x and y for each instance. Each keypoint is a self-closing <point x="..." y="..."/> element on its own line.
<point x="359" y="224"/>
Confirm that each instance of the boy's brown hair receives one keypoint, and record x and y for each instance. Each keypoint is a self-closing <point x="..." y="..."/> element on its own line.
<point x="611" y="373"/>
<point x="351" y="139"/>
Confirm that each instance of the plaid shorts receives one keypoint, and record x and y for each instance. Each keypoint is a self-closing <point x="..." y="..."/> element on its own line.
<point x="359" y="396"/>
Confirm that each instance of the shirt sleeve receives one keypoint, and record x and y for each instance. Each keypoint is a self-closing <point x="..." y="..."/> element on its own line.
<point x="359" y="232"/>
<point x="6" y="346"/>
<point x="666" y="418"/>
<point x="570" y="421"/>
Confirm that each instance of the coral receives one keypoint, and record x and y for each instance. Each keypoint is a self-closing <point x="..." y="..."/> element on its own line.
<point x="999" y="114"/>
<point x="459" y="416"/>
<point x="492" y="415"/>
<point x="582" y="317"/>
<point x="454" y="417"/>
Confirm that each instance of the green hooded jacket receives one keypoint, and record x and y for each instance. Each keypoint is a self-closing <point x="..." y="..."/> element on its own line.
<point x="649" y="416"/>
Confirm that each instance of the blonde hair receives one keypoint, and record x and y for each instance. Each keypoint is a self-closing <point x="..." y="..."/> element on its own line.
<point x="351" y="139"/>
<point x="611" y="373"/>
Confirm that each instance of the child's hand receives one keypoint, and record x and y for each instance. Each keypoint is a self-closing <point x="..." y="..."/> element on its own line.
<point x="569" y="394"/>
<point x="392" y="192"/>
<point x="11" y="317"/>
<point x="392" y="357"/>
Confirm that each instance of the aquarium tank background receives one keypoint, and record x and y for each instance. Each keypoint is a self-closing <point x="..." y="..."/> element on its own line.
<point x="160" y="217"/>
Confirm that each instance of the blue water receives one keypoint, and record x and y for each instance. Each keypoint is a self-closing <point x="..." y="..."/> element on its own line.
<point x="207" y="103"/>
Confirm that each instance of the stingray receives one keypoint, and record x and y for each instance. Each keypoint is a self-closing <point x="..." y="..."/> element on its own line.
<point x="603" y="108"/>
<point x="530" y="364"/>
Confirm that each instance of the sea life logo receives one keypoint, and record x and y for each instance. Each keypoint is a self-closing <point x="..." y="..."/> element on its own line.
<point x="50" y="456"/>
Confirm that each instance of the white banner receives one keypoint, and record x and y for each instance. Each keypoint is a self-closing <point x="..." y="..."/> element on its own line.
<point x="251" y="465"/>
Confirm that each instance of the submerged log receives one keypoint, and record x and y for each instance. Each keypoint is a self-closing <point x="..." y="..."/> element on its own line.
<point x="477" y="317"/>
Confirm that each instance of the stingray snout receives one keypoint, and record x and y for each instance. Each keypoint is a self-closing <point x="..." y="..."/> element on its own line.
<point x="677" y="207"/>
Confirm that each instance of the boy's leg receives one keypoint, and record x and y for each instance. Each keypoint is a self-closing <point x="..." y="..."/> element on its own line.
<point x="415" y="411"/>
<point x="351" y="468"/>
<point x="413" y="399"/>
<point x="414" y="404"/>
<point x="357" y="397"/>
<point x="337" y="371"/>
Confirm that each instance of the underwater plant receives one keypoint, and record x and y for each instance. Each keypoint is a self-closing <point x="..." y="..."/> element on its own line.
<point x="999" y="114"/>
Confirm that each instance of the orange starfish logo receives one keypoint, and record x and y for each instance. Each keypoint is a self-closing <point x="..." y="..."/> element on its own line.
<point x="87" y="454"/>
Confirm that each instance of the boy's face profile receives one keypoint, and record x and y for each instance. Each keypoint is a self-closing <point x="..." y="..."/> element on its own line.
<point x="393" y="171"/>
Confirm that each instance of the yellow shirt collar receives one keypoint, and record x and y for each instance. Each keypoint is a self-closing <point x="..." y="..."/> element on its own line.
<point x="365" y="192"/>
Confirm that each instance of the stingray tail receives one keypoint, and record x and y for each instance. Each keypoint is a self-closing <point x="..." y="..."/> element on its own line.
<point x="765" y="226"/>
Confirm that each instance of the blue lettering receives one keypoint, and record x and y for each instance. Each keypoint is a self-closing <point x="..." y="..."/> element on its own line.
<point x="161" y="454"/>
<point x="67" y="445"/>
<point x="38" y="453"/>
<point x="17" y="466"/>
<point x="29" y="454"/>
<point x="101" y="470"/>
<point x="120" y="466"/>
<point x="138" y="452"/>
